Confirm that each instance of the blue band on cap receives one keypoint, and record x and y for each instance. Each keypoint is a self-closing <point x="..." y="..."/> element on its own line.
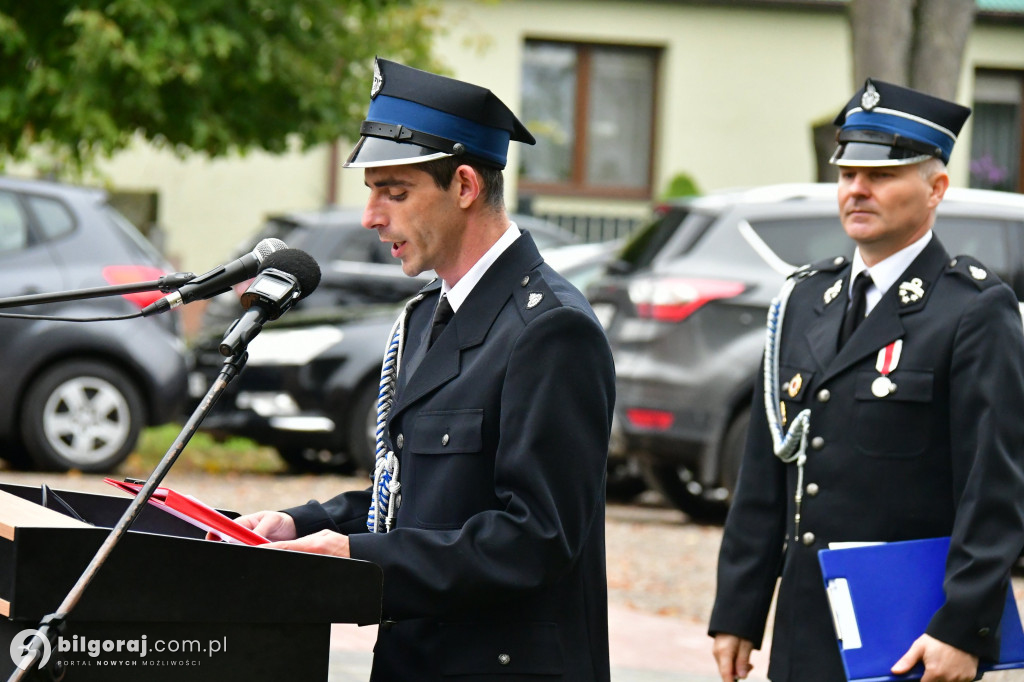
<point x="481" y="141"/>
<point x="898" y="125"/>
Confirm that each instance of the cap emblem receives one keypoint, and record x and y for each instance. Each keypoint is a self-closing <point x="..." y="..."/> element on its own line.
<point x="378" y="81"/>
<point x="870" y="99"/>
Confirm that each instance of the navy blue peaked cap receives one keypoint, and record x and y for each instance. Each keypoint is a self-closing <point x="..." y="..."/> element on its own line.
<point x="417" y="116"/>
<point x="889" y="125"/>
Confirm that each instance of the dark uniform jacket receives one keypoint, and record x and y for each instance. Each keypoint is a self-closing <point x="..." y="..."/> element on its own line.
<point x="941" y="455"/>
<point x="496" y="567"/>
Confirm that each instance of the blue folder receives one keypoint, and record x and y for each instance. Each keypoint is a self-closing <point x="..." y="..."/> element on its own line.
<point x="883" y="597"/>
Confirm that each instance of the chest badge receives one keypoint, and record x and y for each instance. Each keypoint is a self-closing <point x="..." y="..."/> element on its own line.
<point x="912" y="291"/>
<point x="833" y="291"/>
<point x="534" y="299"/>
<point x="794" y="385"/>
<point x="886" y="362"/>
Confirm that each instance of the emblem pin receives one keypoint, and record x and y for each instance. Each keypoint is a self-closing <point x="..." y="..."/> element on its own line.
<point x="833" y="291"/>
<point x="534" y="299"/>
<point x="977" y="273"/>
<point x="912" y="291"/>
<point x="793" y="388"/>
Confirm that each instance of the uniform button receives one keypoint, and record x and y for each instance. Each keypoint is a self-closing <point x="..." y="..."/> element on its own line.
<point x="807" y="539"/>
<point x="817" y="442"/>
<point x="387" y="624"/>
<point x="525" y="281"/>
<point x="400" y="441"/>
<point x="504" y="659"/>
<point x="824" y="395"/>
<point x="444" y="439"/>
<point x="812" y="489"/>
<point x="838" y="260"/>
<point x="984" y="632"/>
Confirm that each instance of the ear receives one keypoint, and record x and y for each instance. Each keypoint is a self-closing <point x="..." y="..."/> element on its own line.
<point x="939" y="184"/>
<point x="468" y="184"/>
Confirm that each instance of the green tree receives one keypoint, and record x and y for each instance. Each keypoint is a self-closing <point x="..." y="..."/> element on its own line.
<point x="80" y="79"/>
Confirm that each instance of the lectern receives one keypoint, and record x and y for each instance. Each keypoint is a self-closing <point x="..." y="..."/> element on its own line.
<point x="169" y="605"/>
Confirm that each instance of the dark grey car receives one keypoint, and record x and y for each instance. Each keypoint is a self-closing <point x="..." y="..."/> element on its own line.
<point x="687" y="328"/>
<point x="76" y="395"/>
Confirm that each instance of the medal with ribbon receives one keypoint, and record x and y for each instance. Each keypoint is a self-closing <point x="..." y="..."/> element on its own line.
<point x="887" y="360"/>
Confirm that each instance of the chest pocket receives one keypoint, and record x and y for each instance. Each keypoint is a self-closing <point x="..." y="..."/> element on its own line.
<point x="447" y="477"/>
<point x="896" y="423"/>
<point x="448" y="433"/>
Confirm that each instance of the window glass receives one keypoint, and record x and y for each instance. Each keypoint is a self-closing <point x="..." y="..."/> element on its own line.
<point x="799" y="241"/>
<point x="984" y="239"/>
<point x="996" y="132"/>
<point x="619" y="118"/>
<point x="53" y="218"/>
<point x="13" y="226"/>
<point x="549" y="107"/>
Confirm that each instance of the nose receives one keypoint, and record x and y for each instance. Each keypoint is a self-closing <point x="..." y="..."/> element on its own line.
<point x="373" y="217"/>
<point x="857" y="183"/>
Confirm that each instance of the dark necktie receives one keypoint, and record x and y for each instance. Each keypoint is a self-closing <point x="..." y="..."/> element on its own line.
<point x="442" y="314"/>
<point x="855" y="314"/>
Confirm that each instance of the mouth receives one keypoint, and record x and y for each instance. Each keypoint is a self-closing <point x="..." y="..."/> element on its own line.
<point x="396" y="248"/>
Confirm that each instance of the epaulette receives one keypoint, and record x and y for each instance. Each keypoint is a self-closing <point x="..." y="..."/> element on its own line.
<point x="534" y="295"/>
<point x="970" y="269"/>
<point x="826" y="265"/>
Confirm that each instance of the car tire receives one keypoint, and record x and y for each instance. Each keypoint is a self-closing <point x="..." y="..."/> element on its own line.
<point x="303" y="460"/>
<point x="362" y="426"/>
<point x="84" y="415"/>
<point x="681" y="489"/>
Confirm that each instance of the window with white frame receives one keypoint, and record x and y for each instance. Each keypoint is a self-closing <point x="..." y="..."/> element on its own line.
<point x="997" y="127"/>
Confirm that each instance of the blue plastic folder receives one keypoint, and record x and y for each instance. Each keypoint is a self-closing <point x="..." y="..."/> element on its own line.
<point x="883" y="597"/>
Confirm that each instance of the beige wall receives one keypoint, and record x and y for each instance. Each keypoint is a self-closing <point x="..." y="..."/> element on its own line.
<point x="739" y="90"/>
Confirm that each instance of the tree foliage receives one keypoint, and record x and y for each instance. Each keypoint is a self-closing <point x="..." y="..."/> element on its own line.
<point x="82" y="78"/>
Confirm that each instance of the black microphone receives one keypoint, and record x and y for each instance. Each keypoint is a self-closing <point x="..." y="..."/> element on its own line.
<point x="218" y="280"/>
<point x="285" y="277"/>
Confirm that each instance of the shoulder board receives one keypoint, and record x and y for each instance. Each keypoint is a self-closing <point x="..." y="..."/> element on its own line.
<point x="971" y="270"/>
<point x="826" y="265"/>
<point x="534" y="295"/>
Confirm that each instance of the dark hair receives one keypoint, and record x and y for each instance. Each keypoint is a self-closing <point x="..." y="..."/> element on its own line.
<point x="443" y="172"/>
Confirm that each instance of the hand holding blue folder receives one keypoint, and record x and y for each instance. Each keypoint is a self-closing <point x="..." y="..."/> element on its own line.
<point x="883" y="597"/>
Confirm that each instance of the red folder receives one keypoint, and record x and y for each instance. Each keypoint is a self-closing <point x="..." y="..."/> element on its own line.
<point x="188" y="508"/>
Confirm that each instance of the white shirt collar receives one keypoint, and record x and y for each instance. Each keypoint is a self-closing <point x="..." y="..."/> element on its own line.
<point x="885" y="273"/>
<point x="460" y="292"/>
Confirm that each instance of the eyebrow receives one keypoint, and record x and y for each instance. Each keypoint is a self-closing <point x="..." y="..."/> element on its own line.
<point x="388" y="182"/>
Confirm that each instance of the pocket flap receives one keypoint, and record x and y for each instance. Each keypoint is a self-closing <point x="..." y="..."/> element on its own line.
<point x="451" y="432"/>
<point x="501" y="649"/>
<point x="903" y="385"/>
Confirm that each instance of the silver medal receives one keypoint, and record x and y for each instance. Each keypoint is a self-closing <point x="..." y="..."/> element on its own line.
<point x="882" y="386"/>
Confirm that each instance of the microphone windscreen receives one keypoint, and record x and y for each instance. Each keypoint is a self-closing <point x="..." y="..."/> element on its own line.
<point x="268" y="246"/>
<point x="299" y="265"/>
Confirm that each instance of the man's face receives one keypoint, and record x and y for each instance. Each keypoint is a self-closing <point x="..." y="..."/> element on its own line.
<point x="421" y="221"/>
<point x="887" y="208"/>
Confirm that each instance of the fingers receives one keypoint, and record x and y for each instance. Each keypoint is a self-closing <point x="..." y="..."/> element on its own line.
<point x="914" y="654"/>
<point x="733" y="657"/>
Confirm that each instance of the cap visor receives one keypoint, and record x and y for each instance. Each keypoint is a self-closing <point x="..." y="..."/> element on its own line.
<point x="371" y="152"/>
<point x="867" y="154"/>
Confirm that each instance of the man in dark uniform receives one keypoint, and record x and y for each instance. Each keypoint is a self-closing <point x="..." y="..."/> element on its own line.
<point x="912" y="382"/>
<point x="487" y="510"/>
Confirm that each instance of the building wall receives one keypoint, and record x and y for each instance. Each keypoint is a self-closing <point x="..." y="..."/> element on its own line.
<point x="739" y="90"/>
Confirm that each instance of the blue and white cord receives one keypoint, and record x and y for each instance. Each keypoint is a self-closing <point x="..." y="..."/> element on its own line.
<point x="386" y="493"/>
<point x="789" y="446"/>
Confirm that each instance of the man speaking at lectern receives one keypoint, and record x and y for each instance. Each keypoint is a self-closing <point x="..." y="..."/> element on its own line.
<point x="487" y="509"/>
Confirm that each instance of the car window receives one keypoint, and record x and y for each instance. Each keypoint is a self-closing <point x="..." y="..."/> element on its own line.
<point x="985" y="239"/>
<point x="52" y="216"/>
<point x="798" y="241"/>
<point x="13" y="226"/>
<point x="667" y="236"/>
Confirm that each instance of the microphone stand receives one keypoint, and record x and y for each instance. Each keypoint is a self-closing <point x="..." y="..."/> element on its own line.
<point x="52" y="626"/>
<point x="166" y="284"/>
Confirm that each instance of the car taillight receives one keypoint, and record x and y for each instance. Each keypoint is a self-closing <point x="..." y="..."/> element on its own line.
<point x="671" y="299"/>
<point x="131" y="274"/>
<point x="657" y="420"/>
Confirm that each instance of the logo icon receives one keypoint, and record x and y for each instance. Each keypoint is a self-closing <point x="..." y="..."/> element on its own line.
<point x="21" y="645"/>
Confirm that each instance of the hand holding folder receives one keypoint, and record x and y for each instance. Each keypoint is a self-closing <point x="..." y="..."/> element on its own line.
<point x="191" y="510"/>
<point x="884" y="595"/>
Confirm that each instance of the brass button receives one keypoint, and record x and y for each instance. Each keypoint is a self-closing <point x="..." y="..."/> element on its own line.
<point x="504" y="659"/>
<point x="817" y="442"/>
<point x="812" y="489"/>
<point x="824" y="395"/>
<point x="444" y="439"/>
<point x="400" y="441"/>
<point x="807" y="539"/>
<point x="525" y="281"/>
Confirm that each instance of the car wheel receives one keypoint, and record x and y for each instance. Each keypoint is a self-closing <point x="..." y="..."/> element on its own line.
<point x="682" y="491"/>
<point x="83" y="415"/>
<point x="305" y="460"/>
<point x="362" y="428"/>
